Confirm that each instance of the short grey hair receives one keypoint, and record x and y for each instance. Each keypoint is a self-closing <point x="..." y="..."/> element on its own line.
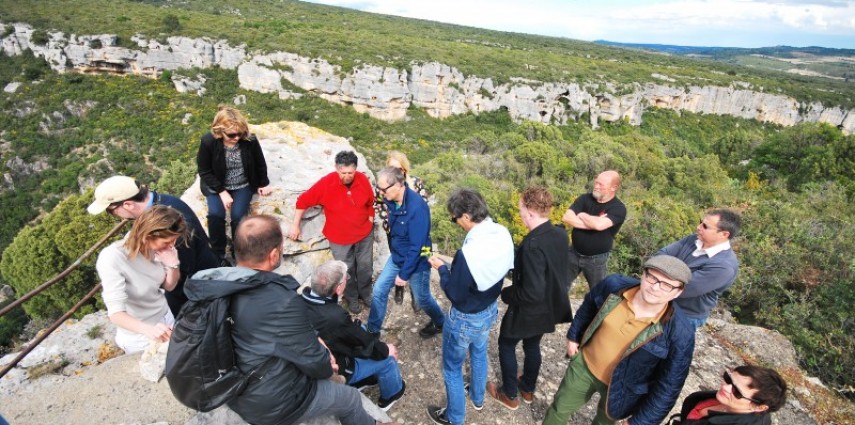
<point x="327" y="276"/>
<point x="392" y="175"/>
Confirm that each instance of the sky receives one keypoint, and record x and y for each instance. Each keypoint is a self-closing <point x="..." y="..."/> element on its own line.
<point x="725" y="23"/>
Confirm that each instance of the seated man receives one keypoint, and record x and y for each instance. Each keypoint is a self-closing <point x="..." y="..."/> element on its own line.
<point x="272" y="323"/>
<point x="359" y="354"/>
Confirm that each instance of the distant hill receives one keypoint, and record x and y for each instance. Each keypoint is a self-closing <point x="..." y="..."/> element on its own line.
<point x="811" y="61"/>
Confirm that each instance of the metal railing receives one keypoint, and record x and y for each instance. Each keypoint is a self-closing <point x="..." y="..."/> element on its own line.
<point x="59" y="277"/>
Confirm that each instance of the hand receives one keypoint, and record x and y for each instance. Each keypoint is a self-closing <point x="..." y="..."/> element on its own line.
<point x="168" y="257"/>
<point x="393" y="352"/>
<point x="436" y="262"/>
<point x="295" y="234"/>
<point x="399" y="281"/>
<point x="264" y="191"/>
<point x="227" y="199"/>
<point x="159" y="332"/>
<point x="572" y="348"/>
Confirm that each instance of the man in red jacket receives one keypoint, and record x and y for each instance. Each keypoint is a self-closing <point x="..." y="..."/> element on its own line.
<point x="347" y="198"/>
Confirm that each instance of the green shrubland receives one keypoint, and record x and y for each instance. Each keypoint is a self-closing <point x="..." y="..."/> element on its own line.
<point x="794" y="186"/>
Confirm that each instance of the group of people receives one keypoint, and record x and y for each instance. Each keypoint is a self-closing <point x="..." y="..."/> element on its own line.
<point x="632" y="340"/>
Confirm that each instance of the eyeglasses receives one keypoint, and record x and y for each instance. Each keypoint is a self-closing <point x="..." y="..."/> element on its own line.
<point x="114" y="207"/>
<point x="231" y="135"/>
<point x="454" y="219"/>
<point x="734" y="390"/>
<point x="708" y="227"/>
<point x="663" y="286"/>
<point x="384" y="189"/>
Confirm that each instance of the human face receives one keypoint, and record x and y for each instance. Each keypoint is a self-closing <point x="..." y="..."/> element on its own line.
<point x="390" y="191"/>
<point x="160" y="244"/>
<point x="735" y="393"/>
<point x="604" y="190"/>
<point x="654" y="287"/>
<point x="231" y="135"/>
<point x="123" y="210"/>
<point x="346" y="173"/>
<point x="708" y="232"/>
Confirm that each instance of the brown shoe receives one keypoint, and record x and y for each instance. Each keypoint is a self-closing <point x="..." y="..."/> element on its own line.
<point x="526" y="396"/>
<point x="504" y="400"/>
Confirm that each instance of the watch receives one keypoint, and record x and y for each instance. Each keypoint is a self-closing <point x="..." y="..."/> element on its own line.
<point x="174" y="266"/>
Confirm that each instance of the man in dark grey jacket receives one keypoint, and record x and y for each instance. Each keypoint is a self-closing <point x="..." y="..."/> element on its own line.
<point x="271" y="321"/>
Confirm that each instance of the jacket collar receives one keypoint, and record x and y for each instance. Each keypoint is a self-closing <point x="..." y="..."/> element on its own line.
<point x="314" y="298"/>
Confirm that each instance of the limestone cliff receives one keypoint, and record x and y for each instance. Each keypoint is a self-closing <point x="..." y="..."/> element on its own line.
<point x="441" y="90"/>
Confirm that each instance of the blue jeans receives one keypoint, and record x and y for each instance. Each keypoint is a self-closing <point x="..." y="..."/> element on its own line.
<point x="508" y="364"/>
<point x="465" y="333"/>
<point x="387" y="372"/>
<point x="420" y="284"/>
<point x="594" y="267"/>
<point x="217" y="211"/>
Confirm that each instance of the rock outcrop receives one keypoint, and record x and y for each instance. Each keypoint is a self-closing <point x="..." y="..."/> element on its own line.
<point x="72" y="379"/>
<point x="441" y="90"/>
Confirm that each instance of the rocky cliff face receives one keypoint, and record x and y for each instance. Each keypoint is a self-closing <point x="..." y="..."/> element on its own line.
<point x="387" y="93"/>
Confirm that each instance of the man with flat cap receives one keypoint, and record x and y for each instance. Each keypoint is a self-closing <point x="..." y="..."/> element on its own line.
<point x="630" y="343"/>
<point x="123" y="197"/>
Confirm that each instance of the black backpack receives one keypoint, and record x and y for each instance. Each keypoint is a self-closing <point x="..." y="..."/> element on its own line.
<point x="200" y="363"/>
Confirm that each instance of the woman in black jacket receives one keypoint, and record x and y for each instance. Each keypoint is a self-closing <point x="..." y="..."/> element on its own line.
<point x="746" y="396"/>
<point x="231" y="169"/>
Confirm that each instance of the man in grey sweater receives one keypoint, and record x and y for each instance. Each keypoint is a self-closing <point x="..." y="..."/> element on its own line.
<point x="713" y="263"/>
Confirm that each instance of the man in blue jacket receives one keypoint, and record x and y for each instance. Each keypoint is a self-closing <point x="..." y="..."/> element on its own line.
<point x="631" y="344"/>
<point x="472" y="284"/>
<point x="409" y="230"/>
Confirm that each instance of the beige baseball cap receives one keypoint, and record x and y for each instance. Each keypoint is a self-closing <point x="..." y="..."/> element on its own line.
<point x="114" y="189"/>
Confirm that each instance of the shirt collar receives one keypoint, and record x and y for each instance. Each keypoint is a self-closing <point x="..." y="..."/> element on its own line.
<point x="711" y="251"/>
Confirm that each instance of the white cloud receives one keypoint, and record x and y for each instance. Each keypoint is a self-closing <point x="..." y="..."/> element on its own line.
<point x="693" y="22"/>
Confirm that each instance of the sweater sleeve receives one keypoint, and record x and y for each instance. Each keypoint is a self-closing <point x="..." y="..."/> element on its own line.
<point x="112" y="280"/>
<point x="457" y="281"/>
<point x="313" y="196"/>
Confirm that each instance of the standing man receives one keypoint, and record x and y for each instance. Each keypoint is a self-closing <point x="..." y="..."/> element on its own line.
<point x="347" y="198"/>
<point x="271" y="327"/>
<point x="409" y="230"/>
<point x="713" y="263"/>
<point x="472" y="284"/>
<point x="596" y="218"/>
<point x="636" y="348"/>
<point x="536" y="301"/>
<point x="360" y="355"/>
<point x="124" y="198"/>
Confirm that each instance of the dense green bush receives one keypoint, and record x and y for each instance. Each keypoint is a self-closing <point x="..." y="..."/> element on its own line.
<point x="42" y="250"/>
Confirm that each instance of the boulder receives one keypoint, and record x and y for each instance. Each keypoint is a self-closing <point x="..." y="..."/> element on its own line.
<point x="297" y="156"/>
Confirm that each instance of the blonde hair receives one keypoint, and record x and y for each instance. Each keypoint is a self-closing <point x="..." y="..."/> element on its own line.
<point x="401" y="158"/>
<point x="229" y="118"/>
<point x="158" y="222"/>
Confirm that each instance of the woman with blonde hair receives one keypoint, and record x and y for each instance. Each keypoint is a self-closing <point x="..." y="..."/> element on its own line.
<point x="231" y="169"/>
<point x="135" y="271"/>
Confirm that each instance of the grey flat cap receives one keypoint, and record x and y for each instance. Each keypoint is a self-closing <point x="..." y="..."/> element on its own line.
<point x="673" y="267"/>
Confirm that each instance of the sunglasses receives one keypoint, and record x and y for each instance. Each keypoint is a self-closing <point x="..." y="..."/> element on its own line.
<point x="708" y="227"/>
<point x="454" y="219"/>
<point x="734" y="390"/>
<point x="114" y="207"/>
<point x="231" y="135"/>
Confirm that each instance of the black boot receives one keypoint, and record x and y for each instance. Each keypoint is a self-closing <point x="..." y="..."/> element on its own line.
<point x="217" y="235"/>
